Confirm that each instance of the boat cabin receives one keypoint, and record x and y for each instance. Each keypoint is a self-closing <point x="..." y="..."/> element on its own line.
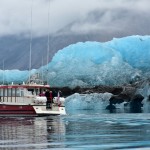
<point x="21" y="93"/>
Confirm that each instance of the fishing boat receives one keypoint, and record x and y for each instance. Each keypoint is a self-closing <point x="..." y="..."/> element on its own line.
<point x="26" y="100"/>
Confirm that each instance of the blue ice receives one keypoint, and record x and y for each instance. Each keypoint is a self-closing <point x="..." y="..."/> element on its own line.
<point x="93" y="63"/>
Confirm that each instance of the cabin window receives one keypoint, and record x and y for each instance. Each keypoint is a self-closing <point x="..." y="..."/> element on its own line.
<point x="13" y="93"/>
<point x="21" y="93"/>
<point x="8" y="92"/>
<point x="17" y="92"/>
<point x="3" y="92"/>
<point x="37" y="91"/>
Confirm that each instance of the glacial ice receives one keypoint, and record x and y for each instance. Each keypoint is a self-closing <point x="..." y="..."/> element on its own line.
<point x="14" y="76"/>
<point x="93" y="63"/>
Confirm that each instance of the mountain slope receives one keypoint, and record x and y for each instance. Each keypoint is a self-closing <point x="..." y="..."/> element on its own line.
<point x="15" y="49"/>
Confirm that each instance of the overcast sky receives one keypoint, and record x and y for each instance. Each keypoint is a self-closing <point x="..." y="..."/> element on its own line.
<point x="74" y="17"/>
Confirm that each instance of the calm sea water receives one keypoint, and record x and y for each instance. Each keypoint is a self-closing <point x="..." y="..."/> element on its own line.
<point x="84" y="130"/>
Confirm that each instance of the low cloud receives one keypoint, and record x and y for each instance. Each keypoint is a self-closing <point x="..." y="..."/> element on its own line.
<point x="73" y="16"/>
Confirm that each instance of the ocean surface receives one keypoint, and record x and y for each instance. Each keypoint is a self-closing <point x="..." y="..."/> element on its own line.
<point x="83" y="130"/>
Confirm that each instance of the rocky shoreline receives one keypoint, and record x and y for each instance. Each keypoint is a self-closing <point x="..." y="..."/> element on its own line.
<point x="125" y="93"/>
<point x="119" y="92"/>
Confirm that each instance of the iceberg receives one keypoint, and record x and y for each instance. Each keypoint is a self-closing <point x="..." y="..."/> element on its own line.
<point x="88" y="64"/>
<point x="93" y="63"/>
<point x="93" y="101"/>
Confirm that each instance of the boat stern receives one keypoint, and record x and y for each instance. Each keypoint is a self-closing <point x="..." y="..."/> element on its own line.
<point x="42" y="111"/>
<point x="62" y="110"/>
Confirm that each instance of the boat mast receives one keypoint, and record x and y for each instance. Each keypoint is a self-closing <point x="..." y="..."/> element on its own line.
<point x="30" y="54"/>
<point x="48" y="38"/>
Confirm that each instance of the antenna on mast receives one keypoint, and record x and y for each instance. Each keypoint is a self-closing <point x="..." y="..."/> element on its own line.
<point x="3" y="72"/>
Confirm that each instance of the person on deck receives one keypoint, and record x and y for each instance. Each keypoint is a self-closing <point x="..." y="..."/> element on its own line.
<point x="51" y="96"/>
<point x="48" y="102"/>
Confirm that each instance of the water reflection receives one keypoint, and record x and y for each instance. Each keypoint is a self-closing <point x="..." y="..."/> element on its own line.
<point x="27" y="133"/>
<point x="55" y="132"/>
<point x="87" y="130"/>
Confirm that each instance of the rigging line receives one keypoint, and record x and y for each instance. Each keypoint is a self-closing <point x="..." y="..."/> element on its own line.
<point x="30" y="54"/>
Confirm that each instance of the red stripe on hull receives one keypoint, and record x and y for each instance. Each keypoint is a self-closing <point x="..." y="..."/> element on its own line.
<point x="17" y="110"/>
